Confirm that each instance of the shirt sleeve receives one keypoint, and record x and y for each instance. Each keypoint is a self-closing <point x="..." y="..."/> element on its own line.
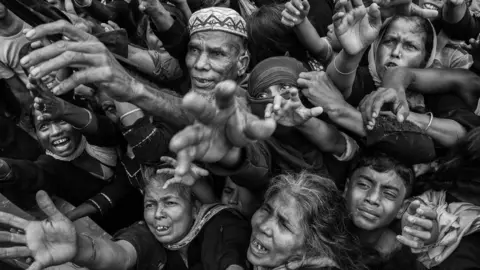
<point x="150" y="253"/>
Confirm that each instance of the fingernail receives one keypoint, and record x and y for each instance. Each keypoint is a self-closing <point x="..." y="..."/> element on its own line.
<point x="406" y="229"/>
<point x="30" y="33"/>
<point x="35" y="72"/>
<point x="24" y="60"/>
<point x="56" y="89"/>
<point x="419" y="211"/>
<point x="411" y="219"/>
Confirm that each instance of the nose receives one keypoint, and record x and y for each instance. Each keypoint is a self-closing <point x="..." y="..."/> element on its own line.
<point x="56" y="129"/>
<point x="397" y="51"/>
<point x="159" y="214"/>
<point x="202" y="62"/>
<point x="266" y="226"/>
<point x="373" y="197"/>
<point x="233" y="200"/>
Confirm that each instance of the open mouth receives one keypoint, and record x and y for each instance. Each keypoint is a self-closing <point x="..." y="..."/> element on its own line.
<point x="61" y="143"/>
<point x="202" y="83"/>
<point x="258" y="247"/>
<point x="390" y="65"/>
<point x="430" y="6"/>
<point x="162" y="229"/>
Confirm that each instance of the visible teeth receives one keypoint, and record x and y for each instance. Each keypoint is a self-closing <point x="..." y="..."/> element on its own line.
<point x="430" y="6"/>
<point x="162" y="228"/>
<point x="57" y="142"/>
<point x="259" y="246"/>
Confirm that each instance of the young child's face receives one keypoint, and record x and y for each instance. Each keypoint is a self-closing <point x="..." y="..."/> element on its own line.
<point x="373" y="198"/>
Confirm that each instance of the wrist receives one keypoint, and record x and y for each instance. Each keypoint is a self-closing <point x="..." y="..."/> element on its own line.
<point x="336" y="109"/>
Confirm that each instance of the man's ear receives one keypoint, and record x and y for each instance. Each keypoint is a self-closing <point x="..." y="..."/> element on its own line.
<point x="404" y="208"/>
<point x="243" y="62"/>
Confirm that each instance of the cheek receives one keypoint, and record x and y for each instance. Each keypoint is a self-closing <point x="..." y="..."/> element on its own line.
<point x="415" y="59"/>
<point x="43" y="138"/>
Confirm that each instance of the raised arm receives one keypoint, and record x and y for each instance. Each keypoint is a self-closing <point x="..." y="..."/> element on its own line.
<point x="101" y="69"/>
<point x="54" y="241"/>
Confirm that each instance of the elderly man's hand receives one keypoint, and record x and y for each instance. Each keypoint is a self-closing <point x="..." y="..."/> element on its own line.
<point x="219" y="131"/>
<point x="95" y="62"/>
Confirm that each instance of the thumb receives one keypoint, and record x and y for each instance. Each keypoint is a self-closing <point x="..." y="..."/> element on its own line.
<point x="316" y="111"/>
<point x="412" y="208"/>
<point x="47" y="206"/>
<point x="200" y="171"/>
<point x="402" y="111"/>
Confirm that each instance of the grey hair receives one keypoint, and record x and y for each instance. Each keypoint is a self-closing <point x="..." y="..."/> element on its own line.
<point x="150" y="176"/>
<point x="324" y="218"/>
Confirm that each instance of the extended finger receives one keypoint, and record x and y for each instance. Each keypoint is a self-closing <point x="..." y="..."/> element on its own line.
<point x="269" y="110"/>
<point x="14" y="252"/>
<point x="200" y="171"/>
<point x="423" y="235"/>
<point x="427" y="213"/>
<point x="174" y="180"/>
<point x="260" y="129"/>
<point x="316" y="111"/>
<point x="47" y="206"/>
<point x="86" y="76"/>
<point x="225" y="95"/>
<point x="408" y="242"/>
<point x="277" y="103"/>
<point x="294" y="97"/>
<point x="421" y="222"/>
<point x="12" y="238"/>
<point x="185" y="158"/>
<point x="68" y="59"/>
<point x="298" y="4"/>
<point x="412" y="208"/>
<point x="290" y="8"/>
<point x="59" y="27"/>
<point x="169" y="160"/>
<point x="53" y="50"/>
<point x="166" y="171"/>
<point x="36" y="266"/>
<point x="9" y="219"/>
<point x="189" y="136"/>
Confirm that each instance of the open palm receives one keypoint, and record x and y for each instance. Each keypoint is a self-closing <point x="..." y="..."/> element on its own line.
<point x="218" y="128"/>
<point x="356" y="27"/>
<point x="50" y="242"/>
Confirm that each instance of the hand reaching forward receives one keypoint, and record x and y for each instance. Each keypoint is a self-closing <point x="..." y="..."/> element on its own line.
<point x="372" y="103"/>
<point x="356" y="27"/>
<point x="189" y="179"/>
<point x="97" y="65"/>
<point x="50" y="242"/>
<point x="419" y="226"/>
<point x="219" y="129"/>
<point x="52" y="107"/>
<point x="290" y="112"/>
<point x="295" y="12"/>
<point x="390" y="8"/>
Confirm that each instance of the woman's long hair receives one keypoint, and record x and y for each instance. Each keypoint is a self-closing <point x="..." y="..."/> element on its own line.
<point x="324" y="218"/>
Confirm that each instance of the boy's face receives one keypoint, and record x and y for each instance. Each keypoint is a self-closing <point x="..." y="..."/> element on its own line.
<point x="373" y="198"/>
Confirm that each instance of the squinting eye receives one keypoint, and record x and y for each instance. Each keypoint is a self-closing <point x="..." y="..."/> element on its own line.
<point x="263" y="95"/>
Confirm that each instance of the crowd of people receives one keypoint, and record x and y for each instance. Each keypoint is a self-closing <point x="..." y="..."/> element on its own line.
<point x="240" y="134"/>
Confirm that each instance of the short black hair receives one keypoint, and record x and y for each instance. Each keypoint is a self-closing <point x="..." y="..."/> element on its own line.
<point x="381" y="162"/>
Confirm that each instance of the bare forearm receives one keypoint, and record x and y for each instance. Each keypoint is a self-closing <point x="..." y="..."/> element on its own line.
<point x="81" y="119"/>
<point x="162" y="19"/>
<point x="326" y="137"/>
<point x="185" y="10"/>
<point x="342" y="71"/>
<point x="163" y="103"/>
<point x="444" y="131"/>
<point x="101" y="254"/>
<point x="309" y="37"/>
<point x="347" y="117"/>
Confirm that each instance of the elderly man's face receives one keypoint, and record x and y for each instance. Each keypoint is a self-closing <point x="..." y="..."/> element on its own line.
<point x="214" y="56"/>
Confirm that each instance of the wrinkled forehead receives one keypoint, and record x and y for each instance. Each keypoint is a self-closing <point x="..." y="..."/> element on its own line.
<point x="216" y="39"/>
<point x="406" y="29"/>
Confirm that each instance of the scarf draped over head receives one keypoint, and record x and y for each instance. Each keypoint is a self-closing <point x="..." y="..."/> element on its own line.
<point x="372" y="54"/>
<point x="271" y="71"/>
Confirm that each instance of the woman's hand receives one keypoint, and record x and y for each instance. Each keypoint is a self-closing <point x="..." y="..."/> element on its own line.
<point x="219" y="130"/>
<point x="52" y="107"/>
<point x="50" y="242"/>
<point x="356" y="27"/>
<point x="319" y="89"/>
<point x="419" y="226"/>
<point x="295" y="12"/>
<point x="189" y="179"/>
<point x="372" y="103"/>
<point x="290" y="112"/>
<point x="390" y="8"/>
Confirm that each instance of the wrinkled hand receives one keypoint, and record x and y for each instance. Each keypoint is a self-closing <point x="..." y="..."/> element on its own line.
<point x="390" y="8"/>
<point x="372" y="103"/>
<point x="50" y="242"/>
<point x="356" y="27"/>
<point x="150" y="6"/>
<point x="290" y="112"/>
<point x="295" y="12"/>
<point x="189" y="179"/>
<point x="419" y="226"/>
<point x="319" y="89"/>
<point x="51" y="107"/>
<point x="218" y="130"/>
<point x="97" y="65"/>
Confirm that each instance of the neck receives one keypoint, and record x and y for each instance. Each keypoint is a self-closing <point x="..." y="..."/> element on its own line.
<point x="370" y="238"/>
<point x="10" y="25"/>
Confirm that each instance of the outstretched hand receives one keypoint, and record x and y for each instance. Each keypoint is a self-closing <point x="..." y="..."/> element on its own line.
<point x="97" y="65"/>
<point x="290" y="112"/>
<point x="50" y="242"/>
<point x="220" y="128"/>
<point x="51" y="107"/>
<point x="390" y="8"/>
<point x="189" y="179"/>
<point x="295" y="12"/>
<point x="356" y="27"/>
<point x="419" y="226"/>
